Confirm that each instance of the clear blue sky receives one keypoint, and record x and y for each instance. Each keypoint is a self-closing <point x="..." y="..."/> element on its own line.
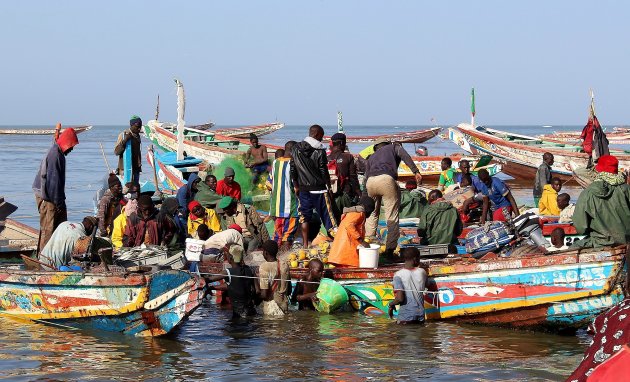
<point x="387" y="62"/>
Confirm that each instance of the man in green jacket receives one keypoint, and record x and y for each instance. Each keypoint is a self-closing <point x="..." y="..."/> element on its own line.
<point x="602" y="211"/>
<point x="207" y="192"/>
<point x="440" y="222"/>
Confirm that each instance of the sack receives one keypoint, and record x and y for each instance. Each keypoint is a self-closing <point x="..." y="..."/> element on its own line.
<point x="491" y="236"/>
<point x="459" y="196"/>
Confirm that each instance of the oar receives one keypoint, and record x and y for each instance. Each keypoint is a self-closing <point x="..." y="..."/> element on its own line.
<point x="109" y="170"/>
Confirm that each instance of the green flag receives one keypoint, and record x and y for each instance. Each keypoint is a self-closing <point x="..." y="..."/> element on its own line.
<point x="472" y="101"/>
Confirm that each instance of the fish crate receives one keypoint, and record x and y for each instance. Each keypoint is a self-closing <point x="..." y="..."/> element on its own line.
<point x="435" y="251"/>
<point x="177" y="261"/>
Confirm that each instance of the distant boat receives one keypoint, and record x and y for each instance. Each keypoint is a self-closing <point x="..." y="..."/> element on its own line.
<point x="573" y="137"/>
<point x="547" y="126"/>
<point x="417" y="136"/>
<point x="77" y="129"/>
<point x="232" y="132"/>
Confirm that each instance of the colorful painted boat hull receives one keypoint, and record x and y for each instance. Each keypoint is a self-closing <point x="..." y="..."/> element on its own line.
<point x="138" y="304"/>
<point x="417" y="136"/>
<point x="77" y="129"/>
<point x="430" y="167"/>
<point x="233" y="132"/>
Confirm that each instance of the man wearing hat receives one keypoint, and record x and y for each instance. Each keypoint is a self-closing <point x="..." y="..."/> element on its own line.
<point x="256" y="158"/>
<point x="110" y="206"/>
<point x="58" y="251"/>
<point x="228" y="186"/>
<point x="381" y="176"/>
<point x="344" y="180"/>
<point x="50" y="186"/>
<point x="132" y="134"/>
<point x="602" y="211"/>
<point x="253" y="228"/>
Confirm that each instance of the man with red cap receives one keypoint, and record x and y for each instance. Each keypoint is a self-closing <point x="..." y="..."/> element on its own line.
<point x="602" y="211"/>
<point x="220" y="242"/>
<point x="50" y="184"/>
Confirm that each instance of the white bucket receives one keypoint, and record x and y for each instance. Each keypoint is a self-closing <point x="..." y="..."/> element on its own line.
<point x="193" y="249"/>
<point x="368" y="257"/>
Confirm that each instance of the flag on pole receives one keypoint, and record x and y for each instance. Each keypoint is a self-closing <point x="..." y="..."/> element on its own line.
<point x="339" y="122"/>
<point x="472" y="102"/>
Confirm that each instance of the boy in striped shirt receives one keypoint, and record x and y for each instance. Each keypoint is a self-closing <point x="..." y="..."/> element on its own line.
<point x="283" y="202"/>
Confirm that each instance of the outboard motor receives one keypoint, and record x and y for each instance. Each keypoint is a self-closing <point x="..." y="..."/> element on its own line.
<point x="422" y="151"/>
<point x="527" y="226"/>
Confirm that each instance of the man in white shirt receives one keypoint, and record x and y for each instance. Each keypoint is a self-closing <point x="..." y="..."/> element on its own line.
<point x="217" y="244"/>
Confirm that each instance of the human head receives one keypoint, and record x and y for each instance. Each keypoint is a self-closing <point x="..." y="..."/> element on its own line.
<point x="607" y="163"/>
<point x="195" y="184"/>
<point x="464" y="166"/>
<point x="203" y="232"/>
<point x="466" y="180"/>
<point x="368" y="205"/>
<point x="563" y="200"/>
<point x="316" y="269"/>
<point x="556" y="184"/>
<point x="548" y="158"/>
<point x="411" y="255"/>
<point x="196" y="209"/>
<point x="67" y="140"/>
<point x="253" y="139"/>
<point x="316" y="132"/>
<point x="211" y="182"/>
<point x="446" y="163"/>
<point x="89" y="222"/>
<point x="236" y="254"/>
<point x="227" y="205"/>
<point x="279" y="153"/>
<point x="381" y="142"/>
<point x="228" y="175"/>
<point x="145" y="206"/>
<point x="557" y="237"/>
<point x="434" y="195"/>
<point x="338" y="140"/>
<point x="133" y="189"/>
<point x="288" y="147"/>
<point x="484" y="177"/>
<point x="114" y="185"/>
<point x="270" y="250"/>
<point x="236" y="227"/>
<point x="135" y="123"/>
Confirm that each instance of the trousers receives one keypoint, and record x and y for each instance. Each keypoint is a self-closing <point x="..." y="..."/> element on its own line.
<point x="49" y="219"/>
<point x="385" y="191"/>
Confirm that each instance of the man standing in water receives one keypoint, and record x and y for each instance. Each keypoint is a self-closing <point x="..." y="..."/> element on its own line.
<point x="309" y="172"/>
<point x="131" y="135"/>
<point x="256" y="158"/>
<point x="50" y="184"/>
<point x="543" y="176"/>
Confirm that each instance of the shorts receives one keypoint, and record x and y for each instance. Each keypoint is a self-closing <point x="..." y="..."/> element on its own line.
<point x="284" y="229"/>
<point x="502" y="214"/>
<point x="321" y="203"/>
<point x="260" y="168"/>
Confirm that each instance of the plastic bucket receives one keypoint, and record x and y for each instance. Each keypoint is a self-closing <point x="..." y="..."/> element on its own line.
<point x="331" y="296"/>
<point x="193" y="249"/>
<point x="368" y="257"/>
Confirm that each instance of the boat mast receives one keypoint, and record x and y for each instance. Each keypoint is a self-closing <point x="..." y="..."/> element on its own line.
<point x="157" y="108"/>
<point x="472" y="108"/>
<point x="181" y="108"/>
<point x="339" y="122"/>
<point x="592" y="106"/>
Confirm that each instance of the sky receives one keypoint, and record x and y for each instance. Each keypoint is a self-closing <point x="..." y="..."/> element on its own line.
<point x="250" y="62"/>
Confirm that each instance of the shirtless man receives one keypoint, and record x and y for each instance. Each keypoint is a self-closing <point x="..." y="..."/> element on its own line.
<point x="256" y="158"/>
<point x="305" y="293"/>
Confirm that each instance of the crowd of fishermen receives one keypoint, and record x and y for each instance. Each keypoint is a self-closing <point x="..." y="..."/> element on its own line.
<point x="312" y="185"/>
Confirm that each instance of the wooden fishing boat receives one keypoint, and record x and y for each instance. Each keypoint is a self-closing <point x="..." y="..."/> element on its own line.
<point x="417" y="136"/>
<point x="621" y="129"/>
<point x="233" y="132"/>
<point x="171" y="173"/>
<point x="16" y="239"/>
<point x="141" y="304"/>
<point x="521" y="155"/>
<point x="430" y="166"/>
<point x="561" y="291"/>
<point x="573" y="137"/>
<point x="77" y="129"/>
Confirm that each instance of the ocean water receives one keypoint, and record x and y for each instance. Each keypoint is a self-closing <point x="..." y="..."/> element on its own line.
<point x="302" y="346"/>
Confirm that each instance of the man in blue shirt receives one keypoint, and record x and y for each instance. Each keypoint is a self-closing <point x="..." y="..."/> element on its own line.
<point x="493" y="191"/>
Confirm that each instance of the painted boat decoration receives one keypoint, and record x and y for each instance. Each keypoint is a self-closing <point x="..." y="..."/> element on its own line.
<point x="417" y="136"/>
<point x="430" y="166"/>
<point x="233" y="132"/>
<point x="521" y="155"/>
<point x="573" y="137"/>
<point x="171" y="173"/>
<point x="77" y="129"/>
<point x="562" y="291"/>
<point x="150" y="304"/>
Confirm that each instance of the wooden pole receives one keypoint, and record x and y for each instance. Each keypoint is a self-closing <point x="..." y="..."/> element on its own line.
<point x="105" y="158"/>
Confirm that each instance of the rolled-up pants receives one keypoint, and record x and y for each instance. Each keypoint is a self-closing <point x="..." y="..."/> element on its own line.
<point x="49" y="219"/>
<point x="384" y="190"/>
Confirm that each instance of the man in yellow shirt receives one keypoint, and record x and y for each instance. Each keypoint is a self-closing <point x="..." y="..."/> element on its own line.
<point x="199" y="215"/>
<point x="548" y="204"/>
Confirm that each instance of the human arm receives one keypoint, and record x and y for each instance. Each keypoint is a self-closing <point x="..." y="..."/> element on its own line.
<point x="485" y="207"/>
<point x="222" y="276"/>
<point x="121" y="143"/>
<point x="399" y="296"/>
<point x="512" y="201"/>
<point x="404" y="155"/>
<point x="129" y="235"/>
<point x="103" y="206"/>
<point x="322" y="166"/>
<point x="247" y="156"/>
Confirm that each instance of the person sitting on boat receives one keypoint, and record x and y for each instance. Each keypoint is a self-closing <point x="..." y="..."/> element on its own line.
<point x="305" y="292"/>
<point x="283" y="201"/>
<point x="200" y="215"/>
<point x="256" y="158"/>
<point x="110" y="206"/>
<point x="173" y="232"/>
<point x="557" y="240"/>
<point x="216" y="245"/>
<point x="142" y="226"/>
<point x="130" y="135"/>
<point x="447" y="177"/>
<point x="50" y="184"/>
<point x="274" y="282"/>
<point x="602" y="211"/>
<point x="228" y="186"/>
<point x="464" y="169"/>
<point x="239" y="284"/>
<point x="186" y="194"/>
<point x="439" y="222"/>
<point x="252" y="226"/>
<point x="566" y="208"/>
<point x="59" y="249"/>
<point x="548" y="204"/>
<point x="409" y="283"/>
<point x="499" y="198"/>
<point x="351" y="234"/>
<point x="207" y="192"/>
<point x="412" y="200"/>
<point x="344" y="180"/>
<point x="543" y="177"/>
<point x="131" y="192"/>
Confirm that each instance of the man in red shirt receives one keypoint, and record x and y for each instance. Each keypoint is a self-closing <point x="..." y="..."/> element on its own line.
<point x="228" y="186"/>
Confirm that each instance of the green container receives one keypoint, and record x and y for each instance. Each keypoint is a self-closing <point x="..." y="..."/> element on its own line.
<point x="331" y="296"/>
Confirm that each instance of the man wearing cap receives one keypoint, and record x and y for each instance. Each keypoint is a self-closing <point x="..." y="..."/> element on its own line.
<point x="344" y="180"/>
<point x="381" y="174"/>
<point x="110" y="206"/>
<point x="218" y="243"/>
<point x="252" y="226"/>
<point x="58" y="251"/>
<point x="228" y="186"/>
<point x="50" y="184"/>
<point x="132" y="134"/>
<point x="602" y="211"/>
<point x="256" y="158"/>
<point x="311" y="180"/>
